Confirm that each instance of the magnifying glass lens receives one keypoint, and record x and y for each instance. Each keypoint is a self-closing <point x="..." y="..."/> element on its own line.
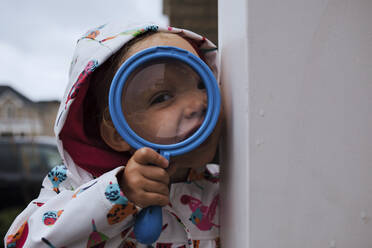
<point x="164" y="101"/>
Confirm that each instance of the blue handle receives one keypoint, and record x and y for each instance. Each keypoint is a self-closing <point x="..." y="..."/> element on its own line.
<point x="148" y="225"/>
<point x="149" y="221"/>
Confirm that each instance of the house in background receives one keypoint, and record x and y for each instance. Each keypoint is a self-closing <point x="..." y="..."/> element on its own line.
<point x="22" y="116"/>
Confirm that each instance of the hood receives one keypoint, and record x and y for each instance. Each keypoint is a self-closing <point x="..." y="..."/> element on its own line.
<point x="78" y="150"/>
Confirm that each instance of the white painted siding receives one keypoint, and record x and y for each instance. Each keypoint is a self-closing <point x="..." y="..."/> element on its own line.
<point x="297" y="84"/>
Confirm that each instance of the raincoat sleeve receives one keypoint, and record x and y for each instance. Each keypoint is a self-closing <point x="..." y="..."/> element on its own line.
<point x="63" y="215"/>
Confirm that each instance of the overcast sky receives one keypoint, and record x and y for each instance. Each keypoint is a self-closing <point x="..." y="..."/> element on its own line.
<point x="38" y="37"/>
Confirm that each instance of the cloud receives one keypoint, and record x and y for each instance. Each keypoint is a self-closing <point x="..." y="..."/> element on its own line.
<point x="38" y="38"/>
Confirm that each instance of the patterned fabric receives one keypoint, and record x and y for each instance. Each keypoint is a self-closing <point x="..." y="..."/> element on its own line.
<point x="97" y="214"/>
<point x="83" y="206"/>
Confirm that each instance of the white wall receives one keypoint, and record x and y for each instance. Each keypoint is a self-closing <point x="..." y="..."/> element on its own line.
<point x="297" y="87"/>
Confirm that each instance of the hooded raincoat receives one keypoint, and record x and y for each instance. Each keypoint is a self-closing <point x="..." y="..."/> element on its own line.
<point x="80" y="203"/>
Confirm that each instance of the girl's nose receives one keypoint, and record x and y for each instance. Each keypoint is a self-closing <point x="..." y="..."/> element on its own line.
<point x="196" y="106"/>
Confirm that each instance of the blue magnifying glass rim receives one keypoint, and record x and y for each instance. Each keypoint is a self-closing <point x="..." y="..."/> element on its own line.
<point x="154" y="54"/>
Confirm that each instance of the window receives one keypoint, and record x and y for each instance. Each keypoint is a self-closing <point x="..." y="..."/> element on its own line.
<point x="10" y="111"/>
<point x="39" y="158"/>
<point x="9" y="160"/>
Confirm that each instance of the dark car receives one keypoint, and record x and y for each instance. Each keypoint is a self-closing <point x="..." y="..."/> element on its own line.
<point x="24" y="162"/>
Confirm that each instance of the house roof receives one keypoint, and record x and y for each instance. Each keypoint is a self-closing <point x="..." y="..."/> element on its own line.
<point x="6" y="88"/>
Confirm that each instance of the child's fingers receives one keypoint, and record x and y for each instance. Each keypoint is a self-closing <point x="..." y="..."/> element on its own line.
<point x="153" y="199"/>
<point x="156" y="174"/>
<point x="147" y="156"/>
<point x="156" y="187"/>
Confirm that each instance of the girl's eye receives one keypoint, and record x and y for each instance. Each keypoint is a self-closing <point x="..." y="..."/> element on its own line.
<point x="160" y="98"/>
<point x="201" y="85"/>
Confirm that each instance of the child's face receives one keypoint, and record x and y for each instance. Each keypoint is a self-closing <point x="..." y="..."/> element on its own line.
<point x="166" y="103"/>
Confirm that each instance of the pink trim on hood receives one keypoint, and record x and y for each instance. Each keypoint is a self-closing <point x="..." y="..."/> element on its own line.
<point x="95" y="157"/>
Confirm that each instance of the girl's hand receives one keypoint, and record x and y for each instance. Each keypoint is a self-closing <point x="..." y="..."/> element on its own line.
<point x="145" y="179"/>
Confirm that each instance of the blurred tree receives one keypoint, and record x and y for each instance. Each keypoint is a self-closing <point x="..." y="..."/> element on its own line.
<point x="199" y="16"/>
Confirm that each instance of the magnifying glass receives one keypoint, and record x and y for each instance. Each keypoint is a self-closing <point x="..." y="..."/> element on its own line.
<point x="167" y="99"/>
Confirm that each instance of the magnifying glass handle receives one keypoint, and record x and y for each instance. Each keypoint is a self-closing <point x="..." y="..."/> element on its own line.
<point x="147" y="227"/>
<point x="149" y="221"/>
